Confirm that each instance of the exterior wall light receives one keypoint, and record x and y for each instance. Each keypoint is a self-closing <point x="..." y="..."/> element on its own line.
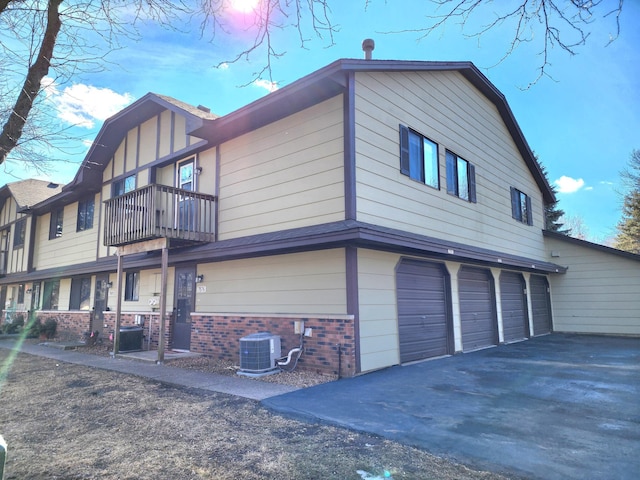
<point x="200" y="278"/>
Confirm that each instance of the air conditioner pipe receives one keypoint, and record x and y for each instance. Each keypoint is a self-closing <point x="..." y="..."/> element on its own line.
<point x="283" y="363"/>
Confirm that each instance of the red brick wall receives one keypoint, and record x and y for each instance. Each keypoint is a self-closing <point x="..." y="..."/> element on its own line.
<point x="71" y="324"/>
<point x="129" y="319"/>
<point x="331" y="344"/>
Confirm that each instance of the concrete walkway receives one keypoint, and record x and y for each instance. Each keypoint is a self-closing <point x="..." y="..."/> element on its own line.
<point x="239" y="386"/>
<point x="554" y="407"/>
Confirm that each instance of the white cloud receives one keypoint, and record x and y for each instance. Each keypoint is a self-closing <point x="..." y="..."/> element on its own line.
<point x="266" y="84"/>
<point x="569" y="185"/>
<point x="82" y="105"/>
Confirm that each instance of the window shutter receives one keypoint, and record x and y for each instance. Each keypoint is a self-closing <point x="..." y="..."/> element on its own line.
<point x="529" y="213"/>
<point x="514" y="203"/>
<point x="404" y="150"/>
<point x="452" y="177"/>
<point x="472" y="183"/>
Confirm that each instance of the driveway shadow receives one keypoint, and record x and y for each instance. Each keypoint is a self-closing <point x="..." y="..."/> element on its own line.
<point x="555" y="407"/>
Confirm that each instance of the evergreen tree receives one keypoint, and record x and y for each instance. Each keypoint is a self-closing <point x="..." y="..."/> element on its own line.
<point x="552" y="214"/>
<point x="628" y="237"/>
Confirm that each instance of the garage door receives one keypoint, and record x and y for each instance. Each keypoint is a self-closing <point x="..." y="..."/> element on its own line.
<point x="423" y="320"/>
<point x="515" y="324"/>
<point x="540" y="305"/>
<point x="477" y="309"/>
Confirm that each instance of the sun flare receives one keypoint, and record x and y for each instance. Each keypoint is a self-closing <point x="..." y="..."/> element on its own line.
<point x="244" y="6"/>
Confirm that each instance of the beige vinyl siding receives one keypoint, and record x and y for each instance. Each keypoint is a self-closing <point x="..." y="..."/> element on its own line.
<point x="285" y="175"/>
<point x="148" y="141"/>
<point x="444" y="107"/>
<point x="17" y="258"/>
<point x="378" y="309"/>
<point x="207" y="178"/>
<point x="72" y="247"/>
<point x="310" y="283"/>
<point x="600" y="293"/>
<point x="165" y="134"/>
<point x="149" y="288"/>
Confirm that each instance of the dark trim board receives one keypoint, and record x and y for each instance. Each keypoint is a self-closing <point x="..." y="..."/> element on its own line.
<point x="342" y="234"/>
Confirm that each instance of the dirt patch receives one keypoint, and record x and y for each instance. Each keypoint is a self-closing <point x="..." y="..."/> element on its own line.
<point x="65" y="421"/>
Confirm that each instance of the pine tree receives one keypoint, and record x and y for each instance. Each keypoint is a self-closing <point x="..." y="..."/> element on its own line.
<point x="552" y="214"/>
<point x="628" y="237"/>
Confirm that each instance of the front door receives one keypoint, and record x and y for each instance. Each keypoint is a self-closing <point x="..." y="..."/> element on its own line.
<point x="184" y="302"/>
<point x="100" y="302"/>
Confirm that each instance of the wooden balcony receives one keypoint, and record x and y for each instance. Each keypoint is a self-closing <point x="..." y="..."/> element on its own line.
<point x="159" y="211"/>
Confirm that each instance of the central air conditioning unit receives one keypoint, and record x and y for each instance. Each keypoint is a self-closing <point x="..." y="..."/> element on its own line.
<point x="258" y="354"/>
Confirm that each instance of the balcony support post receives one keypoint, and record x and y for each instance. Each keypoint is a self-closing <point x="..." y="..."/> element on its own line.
<point x="116" y="329"/>
<point x="163" y="302"/>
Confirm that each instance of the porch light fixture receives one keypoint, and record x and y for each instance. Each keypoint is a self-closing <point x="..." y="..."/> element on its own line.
<point x="198" y="170"/>
<point x="200" y="278"/>
<point x="28" y="292"/>
<point x="109" y="284"/>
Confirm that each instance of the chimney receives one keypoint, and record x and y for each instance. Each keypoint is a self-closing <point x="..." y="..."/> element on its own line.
<point x="367" y="46"/>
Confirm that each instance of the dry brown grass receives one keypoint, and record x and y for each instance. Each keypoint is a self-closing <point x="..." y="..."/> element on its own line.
<point x="65" y="421"/>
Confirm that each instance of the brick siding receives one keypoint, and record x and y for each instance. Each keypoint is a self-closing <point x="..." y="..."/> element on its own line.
<point x="331" y="346"/>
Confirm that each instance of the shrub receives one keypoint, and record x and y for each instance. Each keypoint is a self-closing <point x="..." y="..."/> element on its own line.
<point x="49" y="327"/>
<point x="35" y="329"/>
<point x="15" y="326"/>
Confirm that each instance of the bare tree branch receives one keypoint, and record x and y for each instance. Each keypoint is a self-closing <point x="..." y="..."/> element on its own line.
<point x="12" y="130"/>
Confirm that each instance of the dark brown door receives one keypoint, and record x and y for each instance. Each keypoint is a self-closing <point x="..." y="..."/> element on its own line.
<point x="477" y="308"/>
<point x="184" y="302"/>
<point x="100" y="302"/>
<point x="540" y="305"/>
<point x="515" y="322"/>
<point x="424" y="326"/>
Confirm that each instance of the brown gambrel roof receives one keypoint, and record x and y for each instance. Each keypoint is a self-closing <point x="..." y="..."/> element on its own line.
<point x="28" y="193"/>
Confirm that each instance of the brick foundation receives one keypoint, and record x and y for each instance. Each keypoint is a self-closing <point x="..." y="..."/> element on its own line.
<point x="331" y="346"/>
<point x="129" y="319"/>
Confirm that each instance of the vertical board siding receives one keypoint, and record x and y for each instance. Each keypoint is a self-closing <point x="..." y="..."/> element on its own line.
<point x="378" y="309"/>
<point x="310" y="283"/>
<point x="600" y="293"/>
<point x="285" y="175"/>
<point x="444" y="107"/>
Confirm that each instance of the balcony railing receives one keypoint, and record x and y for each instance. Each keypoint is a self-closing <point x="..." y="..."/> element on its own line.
<point x="159" y="211"/>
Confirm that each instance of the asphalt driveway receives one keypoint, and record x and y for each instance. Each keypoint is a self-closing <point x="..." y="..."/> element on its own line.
<point x="554" y="407"/>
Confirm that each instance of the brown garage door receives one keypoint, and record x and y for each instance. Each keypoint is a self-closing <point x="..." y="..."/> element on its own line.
<point x="515" y="324"/>
<point x="540" y="305"/>
<point x="424" y="327"/>
<point x="477" y="308"/>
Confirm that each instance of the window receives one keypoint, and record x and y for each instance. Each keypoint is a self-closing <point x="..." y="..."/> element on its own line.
<point x="521" y="207"/>
<point x="80" y="293"/>
<point x="85" y="215"/>
<point x="131" y="286"/>
<point x="418" y="157"/>
<point x="35" y="296"/>
<point x="50" y="296"/>
<point x="21" y="293"/>
<point x="19" y="233"/>
<point x="461" y="178"/>
<point x="55" y="224"/>
<point x="124" y="185"/>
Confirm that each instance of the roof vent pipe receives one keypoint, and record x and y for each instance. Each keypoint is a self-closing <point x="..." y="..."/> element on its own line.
<point x="367" y="46"/>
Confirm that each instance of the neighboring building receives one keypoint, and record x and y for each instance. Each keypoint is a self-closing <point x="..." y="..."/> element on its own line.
<point x="394" y="207"/>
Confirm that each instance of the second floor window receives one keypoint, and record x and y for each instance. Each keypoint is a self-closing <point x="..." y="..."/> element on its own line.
<point x="418" y="157"/>
<point x="132" y="286"/>
<point x="124" y="185"/>
<point x="19" y="233"/>
<point x="55" y="224"/>
<point x="85" y="215"/>
<point x="521" y="207"/>
<point x="461" y="178"/>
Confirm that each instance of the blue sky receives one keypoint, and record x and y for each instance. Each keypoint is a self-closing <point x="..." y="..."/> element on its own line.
<point x="583" y="123"/>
